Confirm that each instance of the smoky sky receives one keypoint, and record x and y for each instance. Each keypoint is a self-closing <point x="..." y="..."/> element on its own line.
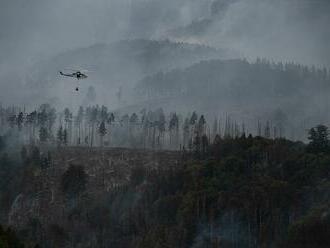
<point x="287" y="30"/>
<point x="37" y="28"/>
<point x="296" y="30"/>
<point x="34" y="30"/>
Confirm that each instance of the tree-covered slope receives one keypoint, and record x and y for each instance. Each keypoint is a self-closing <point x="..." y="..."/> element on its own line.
<point x="237" y="80"/>
<point x="242" y="89"/>
<point x="234" y="192"/>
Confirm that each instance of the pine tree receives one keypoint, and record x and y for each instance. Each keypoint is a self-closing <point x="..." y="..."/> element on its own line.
<point x="201" y="125"/>
<point x="65" y="137"/>
<point x="267" y="130"/>
<point x="215" y="127"/>
<point x="193" y="118"/>
<point x="60" y="136"/>
<point x="102" y="131"/>
<point x="319" y="141"/>
<point x="20" y="120"/>
<point x="79" y="120"/>
<point x="186" y="132"/>
<point x="43" y="134"/>
<point x="204" y="144"/>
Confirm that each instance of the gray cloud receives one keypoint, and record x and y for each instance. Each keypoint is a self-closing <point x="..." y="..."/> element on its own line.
<point x="36" y="30"/>
<point x="294" y="30"/>
<point x="289" y="29"/>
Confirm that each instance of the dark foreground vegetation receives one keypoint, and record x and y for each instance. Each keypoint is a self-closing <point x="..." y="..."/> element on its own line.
<point x="236" y="192"/>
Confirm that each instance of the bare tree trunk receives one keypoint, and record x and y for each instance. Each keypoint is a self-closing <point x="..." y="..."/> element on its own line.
<point x="92" y="135"/>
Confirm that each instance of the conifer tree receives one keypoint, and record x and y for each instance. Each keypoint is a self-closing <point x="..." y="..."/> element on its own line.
<point x="102" y="131"/>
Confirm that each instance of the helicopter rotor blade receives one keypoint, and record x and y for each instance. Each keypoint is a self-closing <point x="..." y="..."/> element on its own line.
<point x="80" y="70"/>
<point x="81" y="67"/>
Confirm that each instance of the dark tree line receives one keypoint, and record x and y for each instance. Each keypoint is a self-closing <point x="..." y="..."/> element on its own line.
<point x="236" y="191"/>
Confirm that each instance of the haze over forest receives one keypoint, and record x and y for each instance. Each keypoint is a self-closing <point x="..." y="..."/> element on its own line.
<point x="37" y="32"/>
<point x="123" y="42"/>
<point x="198" y="123"/>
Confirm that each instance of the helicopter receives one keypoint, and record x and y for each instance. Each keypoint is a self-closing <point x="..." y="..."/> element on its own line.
<point x="75" y="74"/>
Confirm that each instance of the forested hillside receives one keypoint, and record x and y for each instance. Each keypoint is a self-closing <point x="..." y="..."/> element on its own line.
<point x="165" y="124"/>
<point x="234" y="192"/>
<point x="238" y="82"/>
<point x="245" y="90"/>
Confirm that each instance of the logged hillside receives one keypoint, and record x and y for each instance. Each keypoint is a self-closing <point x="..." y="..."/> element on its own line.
<point x="235" y="192"/>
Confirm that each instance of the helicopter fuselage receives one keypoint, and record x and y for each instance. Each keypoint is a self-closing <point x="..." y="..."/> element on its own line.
<point x="78" y="75"/>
